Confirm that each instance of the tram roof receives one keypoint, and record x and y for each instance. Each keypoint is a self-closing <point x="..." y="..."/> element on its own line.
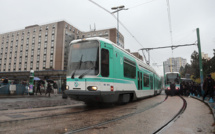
<point x="172" y="73"/>
<point x="140" y="63"/>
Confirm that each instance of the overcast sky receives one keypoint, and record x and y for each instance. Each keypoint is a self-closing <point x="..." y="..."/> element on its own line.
<point x="147" y="20"/>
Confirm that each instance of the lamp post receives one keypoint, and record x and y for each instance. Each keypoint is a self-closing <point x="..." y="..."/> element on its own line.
<point x="119" y="8"/>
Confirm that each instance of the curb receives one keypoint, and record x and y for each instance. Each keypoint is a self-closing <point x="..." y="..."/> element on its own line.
<point x="210" y="105"/>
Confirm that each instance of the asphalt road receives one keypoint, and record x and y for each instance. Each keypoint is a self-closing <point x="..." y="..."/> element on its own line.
<point x="144" y="116"/>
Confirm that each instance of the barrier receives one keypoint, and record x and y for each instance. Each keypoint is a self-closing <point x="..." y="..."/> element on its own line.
<point x="17" y="89"/>
<point x="20" y="89"/>
<point x="4" y="90"/>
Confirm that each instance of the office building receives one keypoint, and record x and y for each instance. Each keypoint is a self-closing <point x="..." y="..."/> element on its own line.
<point x="174" y="64"/>
<point x="43" y="48"/>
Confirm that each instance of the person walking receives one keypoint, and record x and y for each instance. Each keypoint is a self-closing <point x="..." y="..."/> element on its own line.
<point x="38" y="88"/>
<point x="208" y="86"/>
<point x="49" y="89"/>
<point x="55" y="88"/>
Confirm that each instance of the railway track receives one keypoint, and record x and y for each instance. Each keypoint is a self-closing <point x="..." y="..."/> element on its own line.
<point x="181" y="111"/>
<point x="46" y="116"/>
<point x="115" y="119"/>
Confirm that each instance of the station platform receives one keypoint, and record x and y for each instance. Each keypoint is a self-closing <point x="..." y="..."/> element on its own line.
<point x="207" y="101"/>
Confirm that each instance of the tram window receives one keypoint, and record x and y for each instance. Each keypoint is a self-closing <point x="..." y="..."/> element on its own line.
<point x="141" y="83"/>
<point x="151" y="82"/>
<point x="104" y="62"/>
<point x="138" y="80"/>
<point x="129" y="68"/>
<point x="146" y="80"/>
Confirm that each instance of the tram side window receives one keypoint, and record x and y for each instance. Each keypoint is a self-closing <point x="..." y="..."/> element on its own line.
<point x="129" y="69"/>
<point x="104" y="62"/>
<point x="146" y="80"/>
<point x="151" y="82"/>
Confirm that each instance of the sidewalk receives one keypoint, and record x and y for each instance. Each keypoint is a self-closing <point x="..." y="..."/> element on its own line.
<point x="33" y="101"/>
<point x="210" y="104"/>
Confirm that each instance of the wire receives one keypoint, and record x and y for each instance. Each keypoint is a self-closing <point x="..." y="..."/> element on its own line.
<point x="142" y="4"/>
<point x="119" y="22"/>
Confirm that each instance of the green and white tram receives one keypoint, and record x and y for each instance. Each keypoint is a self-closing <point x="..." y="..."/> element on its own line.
<point x="100" y="71"/>
<point x="172" y="78"/>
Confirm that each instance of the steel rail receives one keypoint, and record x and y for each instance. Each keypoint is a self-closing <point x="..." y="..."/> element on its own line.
<point x="115" y="119"/>
<point x="181" y="111"/>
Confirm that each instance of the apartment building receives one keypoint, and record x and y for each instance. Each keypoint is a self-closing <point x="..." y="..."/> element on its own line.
<point x="43" y="47"/>
<point x="174" y="64"/>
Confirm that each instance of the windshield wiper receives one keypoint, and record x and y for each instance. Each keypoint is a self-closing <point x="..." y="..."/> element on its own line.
<point x="82" y="75"/>
<point x="78" y="66"/>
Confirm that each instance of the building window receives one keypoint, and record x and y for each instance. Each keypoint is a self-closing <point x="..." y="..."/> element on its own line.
<point x="31" y="66"/>
<point x="20" y="60"/>
<point x="52" y="50"/>
<point x="51" y="57"/>
<point x="26" y="53"/>
<point x="52" y="44"/>
<point x="45" y="50"/>
<point x="46" y="38"/>
<point x="45" y="45"/>
<point x="51" y="64"/>
<point x="44" y="57"/>
<point x="38" y="58"/>
<point x="52" y="37"/>
<point x="21" y="48"/>
<point x="38" y="45"/>
<point x="26" y="59"/>
<point x="27" y="47"/>
<point x="32" y="58"/>
<point x="32" y="53"/>
<point x="44" y="65"/>
<point x="37" y="65"/>
<point x="38" y="52"/>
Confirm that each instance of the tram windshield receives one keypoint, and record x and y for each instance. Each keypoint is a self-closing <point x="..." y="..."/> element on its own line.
<point x="172" y="78"/>
<point x="83" y="58"/>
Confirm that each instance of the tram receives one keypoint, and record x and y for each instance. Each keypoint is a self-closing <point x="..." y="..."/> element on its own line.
<point x="100" y="71"/>
<point x="172" y="78"/>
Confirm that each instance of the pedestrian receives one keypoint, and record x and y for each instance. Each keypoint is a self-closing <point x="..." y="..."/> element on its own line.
<point x="172" y="89"/>
<point x="49" y="89"/>
<point x="63" y="88"/>
<point x="208" y="86"/>
<point x="38" y="88"/>
<point x="55" y="88"/>
<point x="5" y="82"/>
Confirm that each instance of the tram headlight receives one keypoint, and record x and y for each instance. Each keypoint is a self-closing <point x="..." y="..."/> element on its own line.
<point x="67" y="87"/>
<point x="92" y="88"/>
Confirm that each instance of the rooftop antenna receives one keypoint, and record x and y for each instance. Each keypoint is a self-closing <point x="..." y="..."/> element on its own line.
<point x="94" y="27"/>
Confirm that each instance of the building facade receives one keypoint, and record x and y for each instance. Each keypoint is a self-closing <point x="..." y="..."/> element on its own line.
<point x="174" y="64"/>
<point x="43" y="47"/>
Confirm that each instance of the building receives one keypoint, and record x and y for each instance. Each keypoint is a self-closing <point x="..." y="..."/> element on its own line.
<point x="43" y="47"/>
<point x="174" y="64"/>
<point x="205" y="56"/>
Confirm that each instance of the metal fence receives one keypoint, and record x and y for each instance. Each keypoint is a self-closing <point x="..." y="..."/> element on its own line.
<point x="18" y="89"/>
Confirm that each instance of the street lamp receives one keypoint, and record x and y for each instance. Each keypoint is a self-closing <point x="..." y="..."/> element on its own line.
<point x="119" y="8"/>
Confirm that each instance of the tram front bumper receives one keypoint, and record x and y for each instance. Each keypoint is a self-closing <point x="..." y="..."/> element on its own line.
<point x="93" y="96"/>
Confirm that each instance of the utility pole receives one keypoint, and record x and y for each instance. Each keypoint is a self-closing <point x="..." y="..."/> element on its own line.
<point x="200" y="57"/>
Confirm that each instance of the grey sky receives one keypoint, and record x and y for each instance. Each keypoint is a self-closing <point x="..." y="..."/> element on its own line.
<point x="147" y="22"/>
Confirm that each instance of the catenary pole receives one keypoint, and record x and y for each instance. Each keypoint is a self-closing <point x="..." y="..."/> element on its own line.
<point x="200" y="58"/>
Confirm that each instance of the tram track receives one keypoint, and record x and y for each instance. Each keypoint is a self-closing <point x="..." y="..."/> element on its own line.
<point x="181" y="111"/>
<point x="115" y="119"/>
<point x="46" y="116"/>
